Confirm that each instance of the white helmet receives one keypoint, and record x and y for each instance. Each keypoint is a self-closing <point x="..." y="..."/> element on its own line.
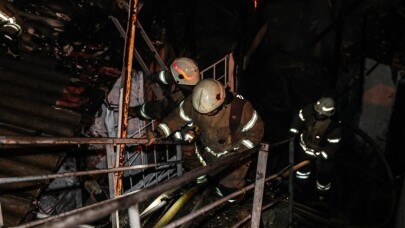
<point x="208" y="95"/>
<point x="325" y="106"/>
<point x="185" y="71"/>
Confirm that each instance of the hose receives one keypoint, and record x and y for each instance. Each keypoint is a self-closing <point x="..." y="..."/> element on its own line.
<point x="168" y="216"/>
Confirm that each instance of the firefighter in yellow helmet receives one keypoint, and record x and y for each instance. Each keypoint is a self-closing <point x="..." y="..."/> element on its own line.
<point x="226" y="122"/>
<point x="319" y="137"/>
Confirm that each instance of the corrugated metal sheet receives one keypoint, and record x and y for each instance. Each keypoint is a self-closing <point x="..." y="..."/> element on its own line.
<point x="17" y="199"/>
<point x="51" y="84"/>
<point x="43" y="95"/>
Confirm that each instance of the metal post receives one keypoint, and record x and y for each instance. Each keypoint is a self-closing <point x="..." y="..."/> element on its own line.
<point x="112" y="182"/>
<point x="27" y="140"/>
<point x="178" y="158"/>
<point x="126" y="86"/>
<point x="259" y="185"/>
<point x="1" y="217"/>
<point x="134" y="217"/>
<point x="291" y="182"/>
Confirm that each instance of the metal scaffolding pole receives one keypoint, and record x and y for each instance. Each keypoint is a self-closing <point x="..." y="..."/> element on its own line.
<point x="8" y="180"/>
<point x="1" y="217"/>
<point x="26" y="140"/>
<point x="112" y="182"/>
<point x="126" y="86"/>
<point x="133" y="214"/>
<point x="291" y="184"/>
<point x="259" y="185"/>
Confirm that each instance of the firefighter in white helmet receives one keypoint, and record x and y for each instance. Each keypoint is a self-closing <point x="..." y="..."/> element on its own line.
<point x="226" y="122"/>
<point x="319" y="137"/>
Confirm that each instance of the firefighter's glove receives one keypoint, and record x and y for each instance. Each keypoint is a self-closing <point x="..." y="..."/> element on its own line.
<point x="153" y="137"/>
<point x="189" y="136"/>
<point x="133" y="111"/>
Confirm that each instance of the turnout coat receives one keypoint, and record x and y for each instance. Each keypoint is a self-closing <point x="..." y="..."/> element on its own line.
<point x="236" y="127"/>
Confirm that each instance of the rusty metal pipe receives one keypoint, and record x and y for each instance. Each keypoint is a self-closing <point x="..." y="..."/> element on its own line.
<point x="43" y="124"/>
<point x="24" y="140"/>
<point x="128" y="61"/>
<point x="38" y="109"/>
<point x="8" y="180"/>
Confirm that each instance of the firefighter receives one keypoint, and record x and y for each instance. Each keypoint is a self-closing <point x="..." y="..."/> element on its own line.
<point x="226" y="123"/>
<point x="319" y="137"/>
<point x="180" y="80"/>
<point x="10" y="30"/>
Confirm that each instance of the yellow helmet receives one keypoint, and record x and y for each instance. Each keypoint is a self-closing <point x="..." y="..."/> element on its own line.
<point x="185" y="71"/>
<point x="208" y="95"/>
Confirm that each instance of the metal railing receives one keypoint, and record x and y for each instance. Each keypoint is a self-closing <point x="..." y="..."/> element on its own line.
<point x="130" y="201"/>
<point x="219" y="71"/>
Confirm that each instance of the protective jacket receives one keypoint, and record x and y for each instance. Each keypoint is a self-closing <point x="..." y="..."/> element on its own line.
<point x="319" y="139"/>
<point x="218" y="133"/>
<point x="236" y="127"/>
